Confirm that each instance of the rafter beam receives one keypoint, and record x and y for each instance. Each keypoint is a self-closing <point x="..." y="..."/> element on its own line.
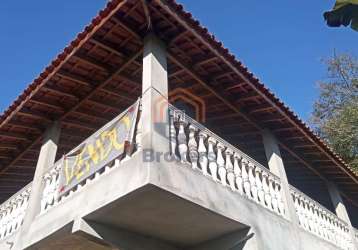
<point x="47" y="104"/>
<point x="92" y="62"/>
<point x="255" y="87"/>
<point x="26" y="126"/>
<point x="237" y="110"/>
<point x="129" y="60"/>
<point x="13" y="135"/>
<point x="127" y="28"/>
<point x="33" y="114"/>
<point x="80" y="125"/>
<point x="74" y="78"/>
<point x="58" y="91"/>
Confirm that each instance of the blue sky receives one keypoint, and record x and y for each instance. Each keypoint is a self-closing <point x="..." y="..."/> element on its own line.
<point x="282" y="42"/>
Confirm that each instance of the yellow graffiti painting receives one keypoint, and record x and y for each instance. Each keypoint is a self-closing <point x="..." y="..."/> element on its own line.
<point x="96" y="152"/>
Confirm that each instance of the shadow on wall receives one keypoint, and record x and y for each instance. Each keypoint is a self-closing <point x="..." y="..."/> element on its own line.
<point x="237" y="240"/>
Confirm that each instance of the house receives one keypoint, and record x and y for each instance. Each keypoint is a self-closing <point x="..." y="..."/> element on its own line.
<point x="146" y="133"/>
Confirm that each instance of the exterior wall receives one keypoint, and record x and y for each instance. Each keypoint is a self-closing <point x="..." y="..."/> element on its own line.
<point x="159" y="203"/>
<point x="270" y="230"/>
<point x="112" y="188"/>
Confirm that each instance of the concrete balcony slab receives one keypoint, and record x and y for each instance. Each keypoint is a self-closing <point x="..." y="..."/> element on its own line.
<point x="158" y="213"/>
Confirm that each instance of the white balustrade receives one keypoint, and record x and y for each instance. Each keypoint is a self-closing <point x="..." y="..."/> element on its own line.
<point x="12" y="212"/>
<point x="318" y="220"/>
<point x="50" y="192"/>
<point x="230" y="167"/>
<point x="193" y="144"/>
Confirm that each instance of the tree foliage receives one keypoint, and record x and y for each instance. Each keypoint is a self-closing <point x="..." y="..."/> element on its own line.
<point x="345" y="12"/>
<point x="335" y="114"/>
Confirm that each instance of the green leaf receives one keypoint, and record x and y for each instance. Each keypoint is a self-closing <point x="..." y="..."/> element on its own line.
<point x="354" y="24"/>
<point x="345" y="12"/>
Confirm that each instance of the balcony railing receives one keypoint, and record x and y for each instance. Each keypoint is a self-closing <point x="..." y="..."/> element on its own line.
<point x="204" y="151"/>
<point x="51" y="195"/>
<point x="12" y="212"/>
<point x="318" y="220"/>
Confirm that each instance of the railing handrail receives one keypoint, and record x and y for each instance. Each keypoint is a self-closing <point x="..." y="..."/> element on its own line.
<point x="317" y="204"/>
<point x="221" y="140"/>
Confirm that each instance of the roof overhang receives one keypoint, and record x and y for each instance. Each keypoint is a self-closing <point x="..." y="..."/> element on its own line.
<point x="99" y="74"/>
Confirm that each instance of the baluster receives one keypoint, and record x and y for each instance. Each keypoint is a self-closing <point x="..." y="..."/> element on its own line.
<point x="311" y="217"/>
<point x="183" y="147"/>
<point x="56" y="176"/>
<point x="14" y="214"/>
<point x="266" y="189"/>
<point x="307" y="215"/>
<point x="348" y="238"/>
<point x="318" y="220"/>
<point x="212" y="159"/>
<point x="252" y="181"/>
<point x="221" y="163"/>
<point x="344" y="240"/>
<point x="9" y="218"/>
<point x="26" y="197"/>
<point x="52" y="198"/>
<point x="46" y="192"/>
<point x="273" y="194"/>
<point x="296" y="203"/>
<point x="2" y="226"/>
<point x="259" y="184"/>
<point x="339" y="237"/>
<point x="23" y="208"/>
<point x="280" y="203"/>
<point x="193" y="147"/>
<point x="330" y="227"/>
<point x="300" y="211"/>
<point x="4" y="222"/>
<point x="322" y="223"/>
<point x="336" y="237"/>
<point x="238" y="173"/>
<point x="330" y="233"/>
<point x="17" y="214"/>
<point x="203" y="159"/>
<point x="1" y="221"/>
<point x="230" y="168"/>
<point x="173" y="137"/>
<point x="245" y="178"/>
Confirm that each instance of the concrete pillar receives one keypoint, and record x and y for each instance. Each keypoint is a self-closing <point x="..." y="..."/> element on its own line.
<point x="45" y="161"/>
<point x="340" y="208"/>
<point x="277" y="167"/>
<point x="154" y="115"/>
<point x="337" y="202"/>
